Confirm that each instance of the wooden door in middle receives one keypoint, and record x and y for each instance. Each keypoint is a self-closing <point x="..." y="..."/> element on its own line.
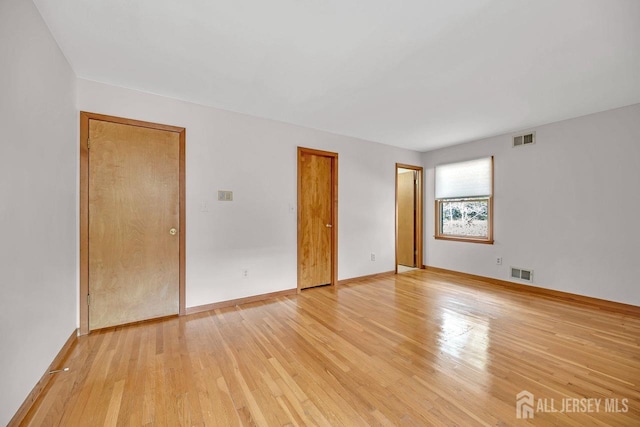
<point x="406" y="193"/>
<point x="317" y="231"/>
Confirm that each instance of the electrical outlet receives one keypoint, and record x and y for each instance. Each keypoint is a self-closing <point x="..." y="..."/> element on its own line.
<point x="245" y="272"/>
<point x="499" y="260"/>
<point x="373" y="257"/>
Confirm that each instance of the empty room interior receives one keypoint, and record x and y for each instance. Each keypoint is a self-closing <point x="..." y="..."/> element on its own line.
<point x="320" y="213"/>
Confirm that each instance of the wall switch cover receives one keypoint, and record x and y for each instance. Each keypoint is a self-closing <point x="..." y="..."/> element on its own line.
<point x="225" y="196"/>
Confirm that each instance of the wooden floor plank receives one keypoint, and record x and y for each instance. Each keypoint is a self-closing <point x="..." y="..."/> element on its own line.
<point x="418" y="348"/>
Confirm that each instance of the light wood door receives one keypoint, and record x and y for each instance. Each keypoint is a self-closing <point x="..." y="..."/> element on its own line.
<point x="134" y="223"/>
<point x="407" y="218"/>
<point x="316" y="217"/>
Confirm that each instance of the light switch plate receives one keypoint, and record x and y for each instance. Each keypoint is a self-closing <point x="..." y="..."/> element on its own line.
<point x="225" y="196"/>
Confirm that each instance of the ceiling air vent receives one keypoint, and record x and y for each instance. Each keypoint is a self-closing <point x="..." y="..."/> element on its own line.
<point x="526" y="139"/>
<point x="522" y="274"/>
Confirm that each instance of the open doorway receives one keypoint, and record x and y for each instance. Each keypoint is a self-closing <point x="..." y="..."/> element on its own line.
<point x="408" y="217"/>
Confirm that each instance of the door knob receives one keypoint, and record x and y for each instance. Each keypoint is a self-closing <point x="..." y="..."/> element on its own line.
<point x="328" y="225"/>
<point x="173" y="231"/>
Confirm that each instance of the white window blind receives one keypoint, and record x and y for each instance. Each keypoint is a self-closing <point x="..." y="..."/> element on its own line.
<point x="472" y="178"/>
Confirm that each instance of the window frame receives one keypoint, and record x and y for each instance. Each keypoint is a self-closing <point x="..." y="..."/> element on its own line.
<point x="439" y="235"/>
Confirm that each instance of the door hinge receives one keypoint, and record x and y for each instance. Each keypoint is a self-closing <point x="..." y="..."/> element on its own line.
<point x="88" y="299"/>
<point x="88" y="143"/>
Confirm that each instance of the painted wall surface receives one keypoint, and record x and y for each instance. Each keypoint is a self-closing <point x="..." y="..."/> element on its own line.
<point x="566" y="207"/>
<point x="257" y="160"/>
<point x="38" y="169"/>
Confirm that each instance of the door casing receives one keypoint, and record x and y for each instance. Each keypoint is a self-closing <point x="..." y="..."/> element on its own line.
<point x="84" y="207"/>
<point x="419" y="212"/>
<point x="334" y="211"/>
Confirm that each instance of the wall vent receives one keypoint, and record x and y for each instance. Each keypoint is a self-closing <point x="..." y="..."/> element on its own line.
<point x="522" y="274"/>
<point x="526" y="139"/>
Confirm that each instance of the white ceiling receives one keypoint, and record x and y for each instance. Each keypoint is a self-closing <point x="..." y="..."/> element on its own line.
<point x="417" y="74"/>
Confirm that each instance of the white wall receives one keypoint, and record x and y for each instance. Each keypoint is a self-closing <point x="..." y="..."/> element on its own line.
<point x="257" y="160"/>
<point x="566" y="207"/>
<point x="38" y="168"/>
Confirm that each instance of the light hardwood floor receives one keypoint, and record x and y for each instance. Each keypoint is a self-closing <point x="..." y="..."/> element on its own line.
<point x="419" y="348"/>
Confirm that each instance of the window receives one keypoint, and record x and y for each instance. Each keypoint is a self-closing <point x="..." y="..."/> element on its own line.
<point x="464" y="201"/>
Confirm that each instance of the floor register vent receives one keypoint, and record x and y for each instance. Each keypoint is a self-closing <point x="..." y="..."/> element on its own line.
<point x="522" y="274"/>
<point x="526" y="139"/>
